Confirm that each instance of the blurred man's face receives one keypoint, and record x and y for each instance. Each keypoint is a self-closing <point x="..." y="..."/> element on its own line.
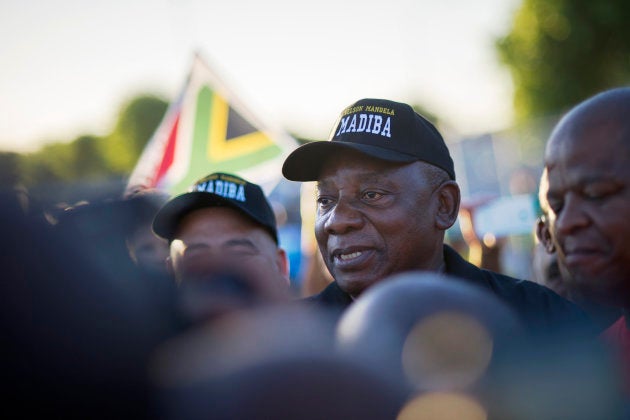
<point x="147" y="250"/>
<point x="589" y="198"/>
<point x="375" y="218"/>
<point x="217" y="240"/>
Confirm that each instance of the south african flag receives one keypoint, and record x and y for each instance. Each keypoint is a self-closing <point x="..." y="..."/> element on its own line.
<point x="206" y="129"/>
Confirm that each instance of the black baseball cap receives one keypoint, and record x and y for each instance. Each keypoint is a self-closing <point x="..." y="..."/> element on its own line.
<point x="217" y="189"/>
<point x="379" y="128"/>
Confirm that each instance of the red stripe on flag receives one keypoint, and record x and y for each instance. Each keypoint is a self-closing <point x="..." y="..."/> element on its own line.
<point x="169" y="152"/>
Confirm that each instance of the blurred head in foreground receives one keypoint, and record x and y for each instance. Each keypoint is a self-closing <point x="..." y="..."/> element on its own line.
<point x="269" y="363"/>
<point x="78" y="334"/>
<point x="460" y="348"/>
<point x="147" y="251"/>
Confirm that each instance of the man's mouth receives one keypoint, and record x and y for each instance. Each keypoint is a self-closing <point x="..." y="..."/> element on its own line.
<point x="349" y="256"/>
<point x="585" y="257"/>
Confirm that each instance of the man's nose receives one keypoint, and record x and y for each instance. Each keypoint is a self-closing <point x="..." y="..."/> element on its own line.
<point x="344" y="217"/>
<point x="573" y="215"/>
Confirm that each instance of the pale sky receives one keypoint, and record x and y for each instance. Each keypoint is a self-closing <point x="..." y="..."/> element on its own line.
<point x="66" y="66"/>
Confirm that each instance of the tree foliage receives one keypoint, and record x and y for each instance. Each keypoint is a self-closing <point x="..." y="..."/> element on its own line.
<point x="422" y="110"/>
<point x="137" y="120"/>
<point x="90" y="157"/>
<point x="560" y="52"/>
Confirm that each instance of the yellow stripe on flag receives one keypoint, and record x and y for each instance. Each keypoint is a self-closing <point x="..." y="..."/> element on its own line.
<point x="219" y="147"/>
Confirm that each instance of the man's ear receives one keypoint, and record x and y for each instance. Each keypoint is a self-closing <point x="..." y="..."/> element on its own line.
<point x="283" y="264"/>
<point x="544" y="235"/>
<point x="448" y="196"/>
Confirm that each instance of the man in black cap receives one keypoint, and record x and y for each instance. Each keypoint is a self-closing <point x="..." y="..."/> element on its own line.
<point x="386" y="194"/>
<point x="224" y="242"/>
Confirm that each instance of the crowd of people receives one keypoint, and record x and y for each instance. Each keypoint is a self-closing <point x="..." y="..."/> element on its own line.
<point x="151" y="306"/>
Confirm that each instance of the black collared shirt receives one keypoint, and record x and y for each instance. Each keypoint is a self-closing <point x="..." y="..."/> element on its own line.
<point x="539" y="308"/>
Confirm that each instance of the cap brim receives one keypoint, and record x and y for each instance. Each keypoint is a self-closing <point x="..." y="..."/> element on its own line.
<point x="168" y="217"/>
<point x="306" y="162"/>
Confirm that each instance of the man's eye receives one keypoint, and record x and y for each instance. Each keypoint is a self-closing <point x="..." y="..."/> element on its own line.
<point x="238" y="253"/>
<point x="197" y="249"/>
<point x="372" y="195"/>
<point x="324" y="201"/>
<point x="596" y="192"/>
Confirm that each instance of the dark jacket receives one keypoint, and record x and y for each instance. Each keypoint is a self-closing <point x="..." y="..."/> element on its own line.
<point x="539" y="308"/>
